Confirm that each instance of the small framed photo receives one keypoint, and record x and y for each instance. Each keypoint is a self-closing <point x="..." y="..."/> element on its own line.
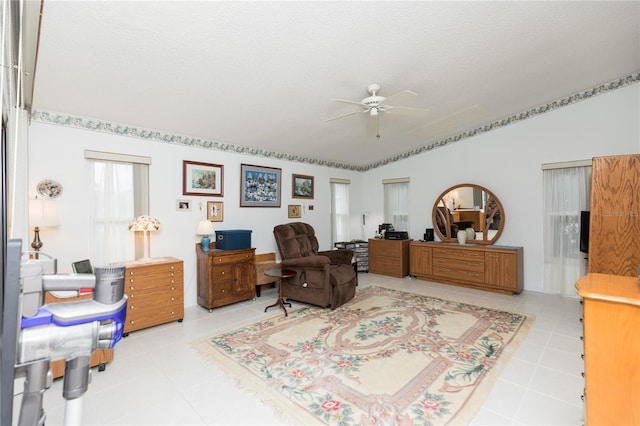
<point x="302" y="186"/>
<point x="260" y="186"/>
<point x="215" y="212"/>
<point x="295" y="211"/>
<point x="183" y="205"/>
<point x="202" y="179"/>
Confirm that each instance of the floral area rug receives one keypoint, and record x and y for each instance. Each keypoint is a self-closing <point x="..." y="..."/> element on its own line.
<point x="387" y="357"/>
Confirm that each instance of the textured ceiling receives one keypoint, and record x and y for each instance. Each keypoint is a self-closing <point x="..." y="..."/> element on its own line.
<point x="262" y="74"/>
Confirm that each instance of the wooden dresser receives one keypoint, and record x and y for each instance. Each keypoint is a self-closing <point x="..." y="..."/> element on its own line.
<point x="155" y="292"/>
<point x="225" y="276"/>
<point x="389" y="257"/>
<point x="494" y="268"/>
<point x="611" y="333"/>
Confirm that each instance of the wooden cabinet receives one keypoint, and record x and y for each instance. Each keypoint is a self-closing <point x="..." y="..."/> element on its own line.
<point x="611" y="348"/>
<point x="615" y="215"/>
<point x="389" y="257"/>
<point x="155" y="292"/>
<point x="225" y="276"/>
<point x="495" y="268"/>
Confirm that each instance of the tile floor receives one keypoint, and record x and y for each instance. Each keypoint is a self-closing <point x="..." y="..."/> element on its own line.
<point x="157" y="378"/>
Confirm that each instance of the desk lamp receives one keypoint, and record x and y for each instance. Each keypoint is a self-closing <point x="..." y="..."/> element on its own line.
<point x="205" y="228"/>
<point x="42" y="213"/>
<point x="145" y="224"/>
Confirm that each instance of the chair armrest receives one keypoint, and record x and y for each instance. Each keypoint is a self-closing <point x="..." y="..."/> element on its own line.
<point x="338" y="257"/>
<point x="305" y="262"/>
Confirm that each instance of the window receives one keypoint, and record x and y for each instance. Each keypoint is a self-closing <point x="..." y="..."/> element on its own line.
<point x="567" y="190"/>
<point x="340" y="209"/>
<point x="396" y="203"/>
<point x="119" y="192"/>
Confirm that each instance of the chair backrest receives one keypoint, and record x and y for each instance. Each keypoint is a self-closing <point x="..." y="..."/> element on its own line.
<point x="296" y="240"/>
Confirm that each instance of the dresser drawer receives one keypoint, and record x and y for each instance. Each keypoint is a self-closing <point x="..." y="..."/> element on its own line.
<point x="222" y="272"/>
<point x="460" y="254"/>
<point x="458" y="274"/>
<point x="476" y="265"/>
<point x="138" y="319"/>
<point x="230" y="258"/>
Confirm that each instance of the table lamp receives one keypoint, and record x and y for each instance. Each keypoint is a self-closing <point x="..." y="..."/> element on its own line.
<point x="205" y="228"/>
<point x="42" y="213"/>
<point x="145" y="224"/>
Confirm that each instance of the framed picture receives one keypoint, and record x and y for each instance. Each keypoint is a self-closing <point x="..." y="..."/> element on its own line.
<point x="260" y="186"/>
<point x="295" y="211"/>
<point x="302" y="186"/>
<point x="202" y="179"/>
<point x="215" y="211"/>
<point x="183" y="205"/>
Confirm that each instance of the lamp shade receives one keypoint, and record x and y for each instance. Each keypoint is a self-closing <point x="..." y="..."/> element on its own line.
<point x="43" y="212"/>
<point x="144" y="223"/>
<point x="205" y="227"/>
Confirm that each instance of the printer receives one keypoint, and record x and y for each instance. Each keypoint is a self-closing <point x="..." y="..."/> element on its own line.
<point x="396" y="235"/>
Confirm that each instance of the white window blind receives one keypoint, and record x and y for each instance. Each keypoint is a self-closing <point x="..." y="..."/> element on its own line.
<point x="340" y="209"/>
<point x="396" y="203"/>
<point x="119" y="192"/>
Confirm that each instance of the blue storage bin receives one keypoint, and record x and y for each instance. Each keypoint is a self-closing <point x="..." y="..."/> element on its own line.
<point x="233" y="239"/>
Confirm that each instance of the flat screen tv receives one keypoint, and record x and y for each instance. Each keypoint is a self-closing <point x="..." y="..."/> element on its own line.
<point x="584" y="231"/>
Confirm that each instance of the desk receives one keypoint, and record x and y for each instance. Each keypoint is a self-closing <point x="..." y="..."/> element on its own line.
<point x="280" y="274"/>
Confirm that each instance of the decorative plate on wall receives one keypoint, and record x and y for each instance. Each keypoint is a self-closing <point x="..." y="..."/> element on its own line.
<point x="49" y="188"/>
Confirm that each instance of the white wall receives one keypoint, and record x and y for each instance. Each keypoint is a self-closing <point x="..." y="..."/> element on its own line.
<point x="57" y="153"/>
<point x="507" y="161"/>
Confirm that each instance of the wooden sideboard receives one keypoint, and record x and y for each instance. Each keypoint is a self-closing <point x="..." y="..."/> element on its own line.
<point x="155" y="292"/>
<point x="611" y="348"/>
<point x="389" y="257"/>
<point x="494" y="268"/>
<point x="225" y="276"/>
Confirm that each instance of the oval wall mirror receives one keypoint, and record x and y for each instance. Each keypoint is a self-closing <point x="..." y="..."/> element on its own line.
<point x="471" y="208"/>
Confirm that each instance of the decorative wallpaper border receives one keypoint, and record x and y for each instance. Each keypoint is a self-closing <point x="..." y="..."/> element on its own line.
<point x="153" y="135"/>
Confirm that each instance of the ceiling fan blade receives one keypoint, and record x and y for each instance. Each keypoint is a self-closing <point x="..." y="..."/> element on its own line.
<point x="351" y="102"/>
<point x="344" y="115"/>
<point x="400" y="95"/>
<point x="405" y="110"/>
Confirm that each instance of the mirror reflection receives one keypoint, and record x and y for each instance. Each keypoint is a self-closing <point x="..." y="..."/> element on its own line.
<point x="470" y="208"/>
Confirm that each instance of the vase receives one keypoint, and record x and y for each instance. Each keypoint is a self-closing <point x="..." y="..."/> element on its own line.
<point x="462" y="237"/>
<point x="471" y="234"/>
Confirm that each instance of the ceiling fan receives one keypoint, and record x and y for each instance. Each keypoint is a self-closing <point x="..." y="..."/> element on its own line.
<point x="376" y="104"/>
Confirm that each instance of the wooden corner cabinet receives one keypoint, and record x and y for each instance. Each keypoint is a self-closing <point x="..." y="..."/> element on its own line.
<point x="225" y="276"/>
<point x="611" y="340"/>
<point x="494" y="268"/>
<point x="389" y="257"/>
<point x="155" y="292"/>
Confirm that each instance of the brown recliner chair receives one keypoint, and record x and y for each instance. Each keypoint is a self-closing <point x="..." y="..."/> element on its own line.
<point x="324" y="278"/>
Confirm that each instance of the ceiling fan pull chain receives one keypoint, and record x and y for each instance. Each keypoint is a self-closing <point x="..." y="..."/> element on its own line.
<point x="378" y="135"/>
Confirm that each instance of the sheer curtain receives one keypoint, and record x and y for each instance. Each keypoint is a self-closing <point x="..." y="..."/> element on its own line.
<point x="396" y="203"/>
<point x="567" y="192"/>
<point x="112" y="207"/>
<point x="340" y="210"/>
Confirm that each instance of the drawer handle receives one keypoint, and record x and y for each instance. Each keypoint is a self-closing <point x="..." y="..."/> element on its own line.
<point x="131" y="288"/>
<point x="132" y="322"/>
<point x="131" y="295"/>
<point x="131" y="280"/>
<point x="131" y="307"/>
<point x="173" y="298"/>
<point x="222" y="291"/>
<point x="222" y="273"/>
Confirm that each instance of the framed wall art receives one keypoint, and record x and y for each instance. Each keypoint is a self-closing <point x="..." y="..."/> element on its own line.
<point x="215" y="212"/>
<point x="202" y="179"/>
<point x="302" y="186"/>
<point x="260" y="186"/>
<point x="183" y="205"/>
<point x="295" y="211"/>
